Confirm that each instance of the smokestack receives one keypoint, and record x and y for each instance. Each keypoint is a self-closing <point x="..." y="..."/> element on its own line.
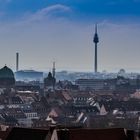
<point x="17" y="61"/>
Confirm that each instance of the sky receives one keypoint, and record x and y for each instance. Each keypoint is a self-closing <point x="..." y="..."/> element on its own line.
<point x="43" y="31"/>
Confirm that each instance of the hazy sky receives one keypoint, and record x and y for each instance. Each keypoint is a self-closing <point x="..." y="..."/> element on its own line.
<point x="62" y="30"/>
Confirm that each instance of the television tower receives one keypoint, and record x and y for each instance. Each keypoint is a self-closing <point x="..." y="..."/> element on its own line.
<point x="95" y="40"/>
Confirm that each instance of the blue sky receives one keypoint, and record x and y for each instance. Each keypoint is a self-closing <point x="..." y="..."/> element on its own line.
<point x="81" y="8"/>
<point x="90" y="7"/>
<point x="62" y="30"/>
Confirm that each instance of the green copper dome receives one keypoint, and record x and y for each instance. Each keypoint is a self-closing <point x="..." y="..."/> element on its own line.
<point x="6" y="72"/>
<point x="6" y="77"/>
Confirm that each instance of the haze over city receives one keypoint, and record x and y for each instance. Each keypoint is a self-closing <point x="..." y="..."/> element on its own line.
<point x="46" y="30"/>
<point x="69" y="69"/>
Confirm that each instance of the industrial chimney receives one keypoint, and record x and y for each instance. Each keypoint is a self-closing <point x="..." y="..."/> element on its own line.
<point x="17" y="61"/>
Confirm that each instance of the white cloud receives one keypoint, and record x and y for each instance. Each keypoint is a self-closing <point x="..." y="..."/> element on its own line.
<point x="48" y="12"/>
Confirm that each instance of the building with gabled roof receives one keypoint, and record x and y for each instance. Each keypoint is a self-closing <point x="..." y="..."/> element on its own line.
<point x="103" y="110"/>
<point x="92" y="134"/>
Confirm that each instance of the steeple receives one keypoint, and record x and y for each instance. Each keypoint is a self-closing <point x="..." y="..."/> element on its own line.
<point x="53" y="75"/>
<point x="53" y="70"/>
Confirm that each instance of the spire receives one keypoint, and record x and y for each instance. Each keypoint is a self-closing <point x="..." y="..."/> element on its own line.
<point x="53" y="75"/>
<point x="95" y="28"/>
<point x="53" y="70"/>
<point x="96" y="38"/>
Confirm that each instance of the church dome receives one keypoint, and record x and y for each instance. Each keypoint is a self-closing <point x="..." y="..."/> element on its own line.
<point x="6" y="72"/>
<point x="6" y="77"/>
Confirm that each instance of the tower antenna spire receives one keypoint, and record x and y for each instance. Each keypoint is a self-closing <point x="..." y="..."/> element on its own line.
<point x="96" y="28"/>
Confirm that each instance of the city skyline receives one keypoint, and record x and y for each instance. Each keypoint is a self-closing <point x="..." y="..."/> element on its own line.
<point x="47" y="30"/>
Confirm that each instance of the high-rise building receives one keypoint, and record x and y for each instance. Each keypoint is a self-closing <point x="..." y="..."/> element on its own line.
<point x="96" y="40"/>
